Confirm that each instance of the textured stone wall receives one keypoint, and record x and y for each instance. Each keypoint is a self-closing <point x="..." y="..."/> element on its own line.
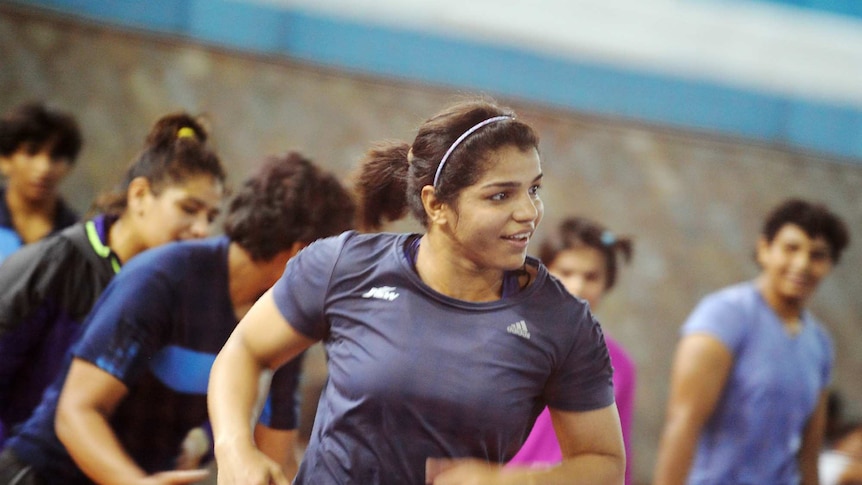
<point x="693" y="202"/>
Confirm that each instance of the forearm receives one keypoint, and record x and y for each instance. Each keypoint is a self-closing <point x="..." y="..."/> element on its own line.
<point x="809" y="456"/>
<point x="279" y="445"/>
<point x="812" y="442"/>
<point x="676" y="454"/>
<point x="232" y="395"/>
<point x="587" y="469"/>
<point x="91" y="442"/>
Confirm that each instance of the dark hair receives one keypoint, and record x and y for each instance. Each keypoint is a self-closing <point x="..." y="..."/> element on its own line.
<point x="174" y="151"/>
<point x="392" y="174"/>
<point x="37" y="127"/>
<point x="814" y="218"/>
<point x="576" y="232"/>
<point x="288" y="200"/>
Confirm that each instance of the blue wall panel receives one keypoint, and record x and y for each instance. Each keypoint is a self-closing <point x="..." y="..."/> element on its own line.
<point x="492" y="69"/>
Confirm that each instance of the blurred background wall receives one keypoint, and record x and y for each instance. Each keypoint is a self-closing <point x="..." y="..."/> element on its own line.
<point x="680" y="123"/>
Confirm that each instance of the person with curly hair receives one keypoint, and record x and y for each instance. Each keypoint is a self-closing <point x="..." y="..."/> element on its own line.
<point x="134" y="384"/>
<point x="749" y="383"/>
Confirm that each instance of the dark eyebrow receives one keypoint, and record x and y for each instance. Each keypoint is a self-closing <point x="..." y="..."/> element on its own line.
<point x="194" y="199"/>
<point x="511" y="184"/>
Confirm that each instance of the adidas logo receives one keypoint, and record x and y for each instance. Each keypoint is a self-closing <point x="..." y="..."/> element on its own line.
<point x="382" y="293"/>
<point x="519" y="329"/>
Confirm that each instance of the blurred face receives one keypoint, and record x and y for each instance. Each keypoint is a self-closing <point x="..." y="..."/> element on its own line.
<point x="583" y="271"/>
<point x="495" y="218"/>
<point x="34" y="177"/>
<point x="793" y="264"/>
<point x="180" y="211"/>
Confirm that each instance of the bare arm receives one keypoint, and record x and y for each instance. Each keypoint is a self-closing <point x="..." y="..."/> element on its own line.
<point x="88" y="400"/>
<point x="593" y="454"/>
<point x="280" y="445"/>
<point x="812" y="442"/>
<point x="262" y="340"/>
<point x="700" y="370"/>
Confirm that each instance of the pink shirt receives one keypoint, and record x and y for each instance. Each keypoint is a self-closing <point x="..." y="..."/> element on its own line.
<point x="542" y="448"/>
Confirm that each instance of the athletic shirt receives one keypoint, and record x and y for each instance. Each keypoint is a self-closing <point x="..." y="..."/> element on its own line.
<point x="415" y="374"/>
<point x="157" y="328"/>
<point x="48" y="288"/>
<point x="755" y="433"/>
<point x="10" y="240"/>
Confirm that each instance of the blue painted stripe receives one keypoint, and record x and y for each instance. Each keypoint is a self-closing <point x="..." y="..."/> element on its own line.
<point x="851" y="8"/>
<point x="500" y="71"/>
<point x="183" y="370"/>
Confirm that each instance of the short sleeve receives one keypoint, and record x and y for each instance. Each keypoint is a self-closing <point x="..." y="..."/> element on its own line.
<point x="300" y="293"/>
<point x="128" y="325"/>
<point x="584" y="379"/>
<point x="718" y="316"/>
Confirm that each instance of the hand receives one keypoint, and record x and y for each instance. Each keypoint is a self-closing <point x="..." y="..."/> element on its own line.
<point x="249" y="468"/>
<point x="194" y="447"/>
<point x="461" y="471"/>
<point x="175" y="477"/>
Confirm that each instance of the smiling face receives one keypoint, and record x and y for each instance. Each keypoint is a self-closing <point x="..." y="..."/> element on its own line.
<point x="179" y="211"/>
<point x="793" y="265"/>
<point x="583" y="271"/>
<point x="494" y="219"/>
<point x="34" y="177"/>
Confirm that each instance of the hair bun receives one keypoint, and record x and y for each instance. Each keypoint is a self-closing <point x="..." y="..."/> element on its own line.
<point x="172" y="127"/>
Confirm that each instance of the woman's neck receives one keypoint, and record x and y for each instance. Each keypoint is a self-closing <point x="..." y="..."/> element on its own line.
<point x="124" y="240"/>
<point x="454" y="276"/>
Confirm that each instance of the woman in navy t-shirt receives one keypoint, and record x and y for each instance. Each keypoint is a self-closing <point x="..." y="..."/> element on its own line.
<point x="443" y="347"/>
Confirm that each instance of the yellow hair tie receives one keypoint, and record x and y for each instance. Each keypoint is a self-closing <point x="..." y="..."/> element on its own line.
<point x="186" y="132"/>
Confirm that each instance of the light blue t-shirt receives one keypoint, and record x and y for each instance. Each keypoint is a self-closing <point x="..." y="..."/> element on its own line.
<point x="756" y="430"/>
<point x="9" y="242"/>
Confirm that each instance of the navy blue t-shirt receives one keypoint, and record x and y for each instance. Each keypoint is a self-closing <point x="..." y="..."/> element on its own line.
<point x="415" y="374"/>
<point x="157" y="328"/>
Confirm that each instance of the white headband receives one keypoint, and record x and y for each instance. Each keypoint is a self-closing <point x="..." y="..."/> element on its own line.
<point x="462" y="138"/>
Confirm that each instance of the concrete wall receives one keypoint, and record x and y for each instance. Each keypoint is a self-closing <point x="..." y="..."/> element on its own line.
<point x="693" y="201"/>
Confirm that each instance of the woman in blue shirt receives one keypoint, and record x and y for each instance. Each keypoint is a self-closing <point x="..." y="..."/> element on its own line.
<point x="442" y="347"/>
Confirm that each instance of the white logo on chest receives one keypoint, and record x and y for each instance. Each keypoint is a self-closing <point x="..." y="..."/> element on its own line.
<point x="519" y="328"/>
<point x="382" y="293"/>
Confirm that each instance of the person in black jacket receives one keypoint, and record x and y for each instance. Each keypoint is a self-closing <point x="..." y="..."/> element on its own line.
<point x="172" y="191"/>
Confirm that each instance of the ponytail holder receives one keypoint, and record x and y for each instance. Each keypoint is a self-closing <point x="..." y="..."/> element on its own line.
<point x="186" y="132"/>
<point x="608" y="238"/>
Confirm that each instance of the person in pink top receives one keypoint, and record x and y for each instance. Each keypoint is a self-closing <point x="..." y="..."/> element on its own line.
<point x="582" y="254"/>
